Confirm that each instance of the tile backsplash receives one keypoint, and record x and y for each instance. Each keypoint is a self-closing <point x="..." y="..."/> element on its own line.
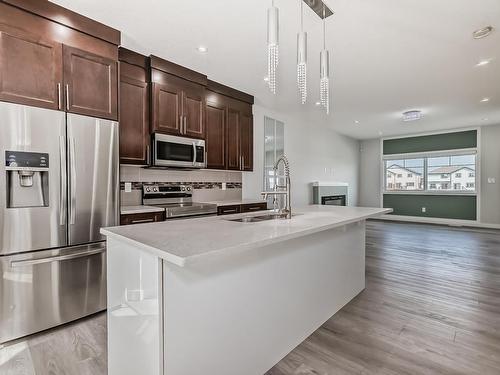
<point x="207" y="184"/>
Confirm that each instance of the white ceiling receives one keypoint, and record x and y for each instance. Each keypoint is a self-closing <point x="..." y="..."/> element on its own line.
<point x="388" y="56"/>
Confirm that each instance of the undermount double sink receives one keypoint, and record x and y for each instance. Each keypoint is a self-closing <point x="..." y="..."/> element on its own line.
<point x="259" y="218"/>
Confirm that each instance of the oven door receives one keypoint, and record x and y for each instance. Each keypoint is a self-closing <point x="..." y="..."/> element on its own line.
<point x="180" y="152"/>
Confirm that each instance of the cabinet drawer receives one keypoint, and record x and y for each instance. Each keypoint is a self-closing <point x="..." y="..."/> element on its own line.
<point x="228" y="210"/>
<point x="147" y="217"/>
<point x="254" y="207"/>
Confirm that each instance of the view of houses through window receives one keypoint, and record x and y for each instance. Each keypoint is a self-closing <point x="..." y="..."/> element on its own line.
<point x="441" y="173"/>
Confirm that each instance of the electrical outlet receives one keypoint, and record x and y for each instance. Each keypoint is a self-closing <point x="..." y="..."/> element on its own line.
<point x="424" y="210"/>
<point x="128" y="187"/>
<point x="492" y="180"/>
<point x="224" y="186"/>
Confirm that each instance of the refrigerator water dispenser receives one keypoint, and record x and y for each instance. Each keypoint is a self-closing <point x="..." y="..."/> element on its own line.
<point x="27" y="179"/>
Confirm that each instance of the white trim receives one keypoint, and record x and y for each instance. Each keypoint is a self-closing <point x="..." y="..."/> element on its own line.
<point x="478" y="175"/>
<point x="323" y="183"/>
<point x="434" y="220"/>
<point x="430" y="192"/>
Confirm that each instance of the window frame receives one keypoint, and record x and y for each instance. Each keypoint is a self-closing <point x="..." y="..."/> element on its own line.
<point x="426" y="156"/>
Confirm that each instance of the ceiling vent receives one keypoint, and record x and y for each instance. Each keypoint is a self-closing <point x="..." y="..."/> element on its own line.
<point x="482" y="33"/>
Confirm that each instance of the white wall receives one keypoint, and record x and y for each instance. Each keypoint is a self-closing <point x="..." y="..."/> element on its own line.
<point x="490" y="168"/>
<point x="311" y="148"/>
<point x="370" y="173"/>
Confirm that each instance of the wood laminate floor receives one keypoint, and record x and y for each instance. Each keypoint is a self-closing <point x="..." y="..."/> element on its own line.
<point x="431" y="306"/>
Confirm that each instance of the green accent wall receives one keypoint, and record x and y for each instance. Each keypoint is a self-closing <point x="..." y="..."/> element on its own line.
<point x="436" y="142"/>
<point x="461" y="207"/>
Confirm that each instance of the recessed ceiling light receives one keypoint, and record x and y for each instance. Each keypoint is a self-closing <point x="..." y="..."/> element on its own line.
<point x="317" y="103"/>
<point x="485" y="119"/>
<point x="356" y="121"/>
<point x="484" y="100"/>
<point x="202" y="49"/>
<point x="483" y="62"/>
<point x="482" y="33"/>
<point x="266" y="79"/>
<point x="412" y="115"/>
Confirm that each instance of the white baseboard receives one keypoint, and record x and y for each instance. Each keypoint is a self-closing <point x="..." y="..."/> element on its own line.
<point x="433" y="220"/>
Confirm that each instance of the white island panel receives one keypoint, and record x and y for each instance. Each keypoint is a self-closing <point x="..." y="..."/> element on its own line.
<point x="241" y="315"/>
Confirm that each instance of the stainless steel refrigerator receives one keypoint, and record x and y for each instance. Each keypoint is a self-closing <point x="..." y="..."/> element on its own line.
<point x="59" y="186"/>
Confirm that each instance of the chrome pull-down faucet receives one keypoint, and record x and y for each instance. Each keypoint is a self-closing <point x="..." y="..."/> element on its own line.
<point x="287" y="210"/>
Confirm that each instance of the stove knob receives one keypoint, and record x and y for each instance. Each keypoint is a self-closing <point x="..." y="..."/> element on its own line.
<point x="188" y="189"/>
<point x="155" y="190"/>
<point x="148" y="190"/>
<point x="183" y="188"/>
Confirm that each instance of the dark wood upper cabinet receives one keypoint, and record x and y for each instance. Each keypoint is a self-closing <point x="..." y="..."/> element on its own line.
<point x="30" y="69"/>
<point x="215" y="123"/>
<point x="233" y="160"/>
<point x="91" y="83"/>
<point x="134" y="109"/>
<point x="192" y="107"/>
<point x="167" y="109"/>
<point x="246" y="141"/>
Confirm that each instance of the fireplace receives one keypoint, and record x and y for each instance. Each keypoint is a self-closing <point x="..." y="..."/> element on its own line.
<point x="333" y="200"/>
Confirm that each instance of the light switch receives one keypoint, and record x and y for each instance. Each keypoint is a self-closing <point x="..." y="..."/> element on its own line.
<point x="492" y="180"/>
<point x="128" y="187"/>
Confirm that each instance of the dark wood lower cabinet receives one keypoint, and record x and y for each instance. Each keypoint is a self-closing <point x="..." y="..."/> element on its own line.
<point x="241" y="208"/>
<point x="142" y="218"/>
<point x="229" y="210"/>
<point x="253" y="207"/>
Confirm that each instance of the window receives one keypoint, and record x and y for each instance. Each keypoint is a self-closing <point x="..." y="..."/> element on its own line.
<point x="453" y="172"/>
<point x="274" y="147"/>
<point x="452" y="168"/>
<point x="404" y="174"/>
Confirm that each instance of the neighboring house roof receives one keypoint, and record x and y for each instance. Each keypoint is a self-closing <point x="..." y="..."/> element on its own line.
<point x="447" y="170"/>
<point x="395" y="166"/>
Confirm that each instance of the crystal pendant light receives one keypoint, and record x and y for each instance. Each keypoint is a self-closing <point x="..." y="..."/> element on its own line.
<point x="324" y="83"/>
<point x="272" y="45"/>
<point x="302" y="58"/>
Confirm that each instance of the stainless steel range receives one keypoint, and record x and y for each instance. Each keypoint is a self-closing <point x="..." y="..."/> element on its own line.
<point x="177" y="201"/>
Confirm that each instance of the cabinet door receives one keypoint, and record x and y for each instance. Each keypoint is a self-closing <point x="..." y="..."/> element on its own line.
<point x="215" y="136"/>
<point x="233" y="159"/>
<point x="134" y="121"/>
<point x="192" y="108"/>
<point x="246" y="142"/>
<point x="91" y="84"/>
<point x="30" y="69"/>
<point x="167" y="108"/>
<point x="142" y="218"/>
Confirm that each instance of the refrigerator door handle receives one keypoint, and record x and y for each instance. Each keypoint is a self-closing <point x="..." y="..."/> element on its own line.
<point x="57" y="258"/>
<point x="63" y="185"/>
<point x="73" y="181"/>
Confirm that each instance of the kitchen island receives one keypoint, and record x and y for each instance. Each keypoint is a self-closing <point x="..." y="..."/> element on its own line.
<point x="222" y="295"/>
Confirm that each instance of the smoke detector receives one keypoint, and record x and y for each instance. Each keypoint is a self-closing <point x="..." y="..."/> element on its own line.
<point x="412" y="115"/>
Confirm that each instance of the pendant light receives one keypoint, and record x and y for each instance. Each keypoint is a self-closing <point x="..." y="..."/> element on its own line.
<point x="324" y="68"/>
<point x="302" y="58"/>
<point x="272" y="45"/>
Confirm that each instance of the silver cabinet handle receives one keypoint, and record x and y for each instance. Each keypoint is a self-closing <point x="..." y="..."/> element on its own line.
<point x="185" y="124"/>
<point x="142" y="221"/>
<point x="254" y="208"/>
<point x="67" y="97"/>
<point x="72" y="181"/>
<point x="148" y="155"/>
<point x="59" y="99"/>
<point x="57" y="258"/>
<point x="63" y="185"/>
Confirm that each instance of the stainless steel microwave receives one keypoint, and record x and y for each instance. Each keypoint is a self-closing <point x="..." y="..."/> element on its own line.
<point x="179" y="152"/>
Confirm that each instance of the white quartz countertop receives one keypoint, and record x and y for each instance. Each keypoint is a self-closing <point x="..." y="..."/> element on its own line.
<point x="128" y="210"/>
<point x="184" y="241"/>
<point x="236" y="202"/>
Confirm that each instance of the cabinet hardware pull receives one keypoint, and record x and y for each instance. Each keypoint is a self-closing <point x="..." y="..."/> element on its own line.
<point x="181" y="125"/>
<point x="67" y="97"/>
<point x="148" y="155"/>
<point x="142" y="221"/>
<point x="185" y="124"/>
<point x="59" y="99"/>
